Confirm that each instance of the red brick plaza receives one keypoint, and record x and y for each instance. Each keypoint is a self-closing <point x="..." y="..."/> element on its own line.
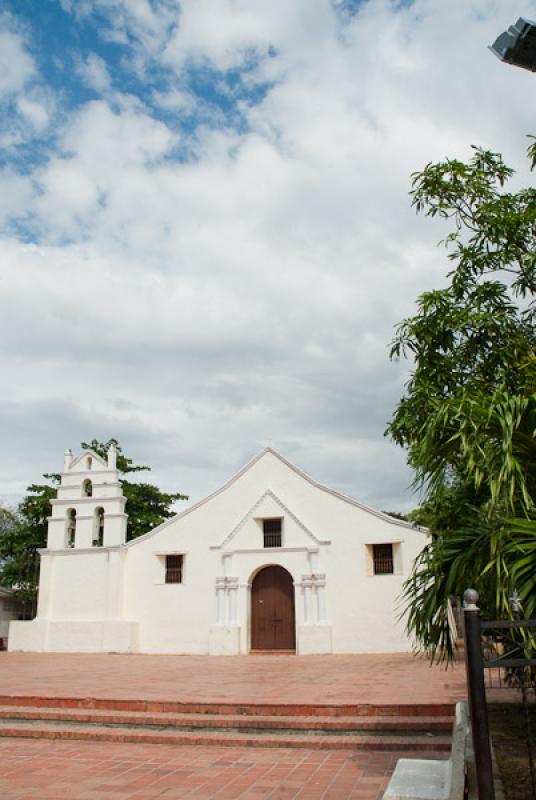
<point x="71" y="687"/>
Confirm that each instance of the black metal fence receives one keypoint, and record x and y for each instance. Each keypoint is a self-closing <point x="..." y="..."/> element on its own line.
<point x="504" y="652"/>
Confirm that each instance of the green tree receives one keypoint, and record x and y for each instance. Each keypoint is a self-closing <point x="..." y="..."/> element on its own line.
<point x="468" y="414"/>
<point x="23" y="531"/>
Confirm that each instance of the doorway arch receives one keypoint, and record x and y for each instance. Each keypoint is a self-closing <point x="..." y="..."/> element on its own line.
<point x="273" y="620"/>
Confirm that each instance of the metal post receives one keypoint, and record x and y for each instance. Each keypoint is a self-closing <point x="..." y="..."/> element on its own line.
<point x="477" y="696"/>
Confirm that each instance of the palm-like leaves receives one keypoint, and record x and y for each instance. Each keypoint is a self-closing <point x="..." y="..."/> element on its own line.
<point x="521" y="551"/>
<point x="468" y="416"/>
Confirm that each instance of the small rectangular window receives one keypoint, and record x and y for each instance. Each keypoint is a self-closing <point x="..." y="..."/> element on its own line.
<point x="174" y="569"/>
<point x="272" y="532"/>
<point x="383" y="559"/>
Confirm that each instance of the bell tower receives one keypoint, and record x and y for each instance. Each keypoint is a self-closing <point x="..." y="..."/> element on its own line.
<point x="89" y="510"/>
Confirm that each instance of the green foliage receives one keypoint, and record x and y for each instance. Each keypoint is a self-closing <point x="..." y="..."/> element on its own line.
<point x="493" y="230"/>
<point x="468" y="414"/>
<point x="124" y="464"/>
<point x="521" y="550"/>
<point x="445" y="568"/>
<point x="10" y="543"/>
<point x="23" y="531"/>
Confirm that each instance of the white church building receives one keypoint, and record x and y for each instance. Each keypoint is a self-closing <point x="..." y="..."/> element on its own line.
<point x="271" y="561"/>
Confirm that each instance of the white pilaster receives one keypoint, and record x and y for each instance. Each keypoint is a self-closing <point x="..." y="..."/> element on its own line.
<point x="220" y="597"/>
<point x="232" y="584"/>
<point x="307" y="583"/>
<point x="320" y="581"/>
<point x="112" y="457"/>
<point x="68" y="459"/>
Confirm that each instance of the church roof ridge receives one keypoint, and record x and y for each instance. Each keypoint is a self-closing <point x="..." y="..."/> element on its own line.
<point x="203" y="500"/>
<point x="265" y="451"/>
<point x="380" y="514"/>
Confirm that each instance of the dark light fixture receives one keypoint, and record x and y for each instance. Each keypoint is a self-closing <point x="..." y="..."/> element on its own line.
<point x="517" y="45"/>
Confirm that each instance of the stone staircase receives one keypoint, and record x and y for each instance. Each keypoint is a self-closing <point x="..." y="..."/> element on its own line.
<point x="423" y="729"/>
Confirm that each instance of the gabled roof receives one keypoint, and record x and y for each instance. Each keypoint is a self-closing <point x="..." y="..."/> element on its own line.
<point x="380" y="514"/>
<point x="85" y="454"/>
<point x="282" y="506"/>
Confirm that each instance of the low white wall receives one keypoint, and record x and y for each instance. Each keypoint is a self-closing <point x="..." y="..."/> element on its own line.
<point x="74" y="637"/>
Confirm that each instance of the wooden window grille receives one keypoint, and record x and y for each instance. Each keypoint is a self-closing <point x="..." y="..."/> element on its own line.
<point x="174" y="569"/>
<point x="383" y="559"/>
<point x="272" y="532"/>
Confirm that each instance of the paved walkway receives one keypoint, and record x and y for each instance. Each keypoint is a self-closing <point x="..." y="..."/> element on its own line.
<point x="39" y="770"/>
<point x="62" y="770"/>
<point x="376" y="679"/>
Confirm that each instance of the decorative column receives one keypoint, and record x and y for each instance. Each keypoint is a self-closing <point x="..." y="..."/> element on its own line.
<point x="112" y="457"/>
<point x="320" y="581"/>
<point x="232" y="584"/>
<point x="68" y="459"/>
<point x="307" y="583"/>
<point x="220" y="596"/>
<point x="224" y="636"/>
<point x="314" y="636"/>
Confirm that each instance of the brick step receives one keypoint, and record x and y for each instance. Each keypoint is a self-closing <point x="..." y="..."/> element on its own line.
<point x="253" y="709"/>
<point x="122" y="733"/>
<point x="230" y="722"/>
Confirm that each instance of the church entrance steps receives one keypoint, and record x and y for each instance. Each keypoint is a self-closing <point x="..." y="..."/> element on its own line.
<point x="364" y="728"/>
<point x="36" y="729"/>
<point x="234" y="708"/>
<point x="229" y="722"/>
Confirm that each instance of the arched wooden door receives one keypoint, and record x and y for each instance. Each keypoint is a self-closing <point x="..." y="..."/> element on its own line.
<point x="272" y="610"/>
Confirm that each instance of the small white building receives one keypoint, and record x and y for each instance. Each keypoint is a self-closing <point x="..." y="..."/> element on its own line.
<point x="271" y="561"/>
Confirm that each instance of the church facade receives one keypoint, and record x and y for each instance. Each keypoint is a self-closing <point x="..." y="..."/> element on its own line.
<point x="272" y="561"/>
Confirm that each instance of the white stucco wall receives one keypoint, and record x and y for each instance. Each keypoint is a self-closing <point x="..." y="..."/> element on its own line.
<point x="118" y="596"/>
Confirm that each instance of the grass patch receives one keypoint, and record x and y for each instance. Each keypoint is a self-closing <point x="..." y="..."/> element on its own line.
<point x="509" y="736"/>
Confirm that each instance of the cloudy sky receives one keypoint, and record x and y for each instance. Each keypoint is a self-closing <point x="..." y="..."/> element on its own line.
<point x="205" y="231"/>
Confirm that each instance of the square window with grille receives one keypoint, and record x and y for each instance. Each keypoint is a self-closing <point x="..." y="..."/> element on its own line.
<point x="174" y="569"/>
<point x="383" y="559"/>
<point x="272" y="532"/>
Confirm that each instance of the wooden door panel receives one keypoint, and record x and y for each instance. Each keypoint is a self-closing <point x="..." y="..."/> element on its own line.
<point x="272" y="610"/>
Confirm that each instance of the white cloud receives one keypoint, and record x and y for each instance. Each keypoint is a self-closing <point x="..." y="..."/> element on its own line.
<point x="202" y="308"/>
<point x="16" y="64"/>
<point x="179" y="101"/>
<point x="94" y="73"/>
<point x="26" y="105"/>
